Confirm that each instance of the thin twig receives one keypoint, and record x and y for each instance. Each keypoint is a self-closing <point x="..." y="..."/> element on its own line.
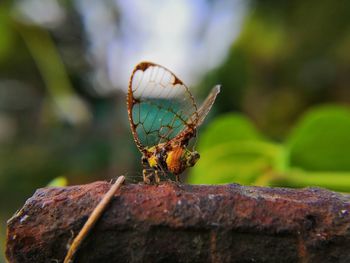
<point x="95" y="215"/>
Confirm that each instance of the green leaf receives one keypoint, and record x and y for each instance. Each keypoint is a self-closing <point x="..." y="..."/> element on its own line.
<point x="321" y="141"/>
<point x="228" y="127"/>
<point x="58" y="182"/>
<point x="233" y="151"/>
<point x="337" y="181"/>
<point x="237" y="161"/>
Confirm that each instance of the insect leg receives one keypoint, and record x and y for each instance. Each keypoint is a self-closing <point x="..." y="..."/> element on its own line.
<point x="156" y="176"/>
<point x="177" y="178"/>
<point x="147" y="171"/>
<point x="147" y="175"/>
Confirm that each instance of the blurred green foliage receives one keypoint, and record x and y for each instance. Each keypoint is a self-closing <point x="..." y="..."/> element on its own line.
<point x="7" y="34"/>
<point x="321" y="140"/>
<point x="317" y="152"/>
<point x="229" y="127"/>
<point x="241" y="158"/>
<point x="58" y="182"/>
<point x="288" y="57"/>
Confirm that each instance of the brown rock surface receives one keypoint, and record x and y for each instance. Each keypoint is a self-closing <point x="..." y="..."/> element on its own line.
<point x="184" y="223"/>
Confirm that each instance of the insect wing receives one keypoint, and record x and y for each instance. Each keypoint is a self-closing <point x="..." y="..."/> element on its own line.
<point x="206" y="106"/>
<point x="159" y="105"/>
<point x="198" y="117"/>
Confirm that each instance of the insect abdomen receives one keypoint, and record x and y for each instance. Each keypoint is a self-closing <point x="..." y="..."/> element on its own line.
<point x="174" y="160"/>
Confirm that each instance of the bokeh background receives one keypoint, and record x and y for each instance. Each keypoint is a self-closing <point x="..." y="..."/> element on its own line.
<point x="282" y="118"/>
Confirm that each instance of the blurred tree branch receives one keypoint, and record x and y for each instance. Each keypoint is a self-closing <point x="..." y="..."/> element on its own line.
<point x="47" y="58"/>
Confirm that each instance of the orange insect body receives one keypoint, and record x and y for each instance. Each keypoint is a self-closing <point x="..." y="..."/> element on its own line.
<point x="175" y="160"/>
<point x="163" y="118"/>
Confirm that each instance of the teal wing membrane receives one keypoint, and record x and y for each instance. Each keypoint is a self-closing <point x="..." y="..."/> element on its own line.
<point x="160" y="106"/>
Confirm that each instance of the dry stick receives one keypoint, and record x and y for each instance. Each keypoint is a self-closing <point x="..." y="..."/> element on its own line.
<point x="95" y="215"/>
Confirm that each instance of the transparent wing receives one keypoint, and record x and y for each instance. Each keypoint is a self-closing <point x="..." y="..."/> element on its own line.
<point x="205" y="107"/>
<point x="159" y="105"/>
<point x="198" y="117"/>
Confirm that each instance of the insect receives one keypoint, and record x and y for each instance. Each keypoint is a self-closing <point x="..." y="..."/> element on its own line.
<point x="164" y="118"/>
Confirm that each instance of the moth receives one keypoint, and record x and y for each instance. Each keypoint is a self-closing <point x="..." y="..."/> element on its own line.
<point x="164" y="117"/>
